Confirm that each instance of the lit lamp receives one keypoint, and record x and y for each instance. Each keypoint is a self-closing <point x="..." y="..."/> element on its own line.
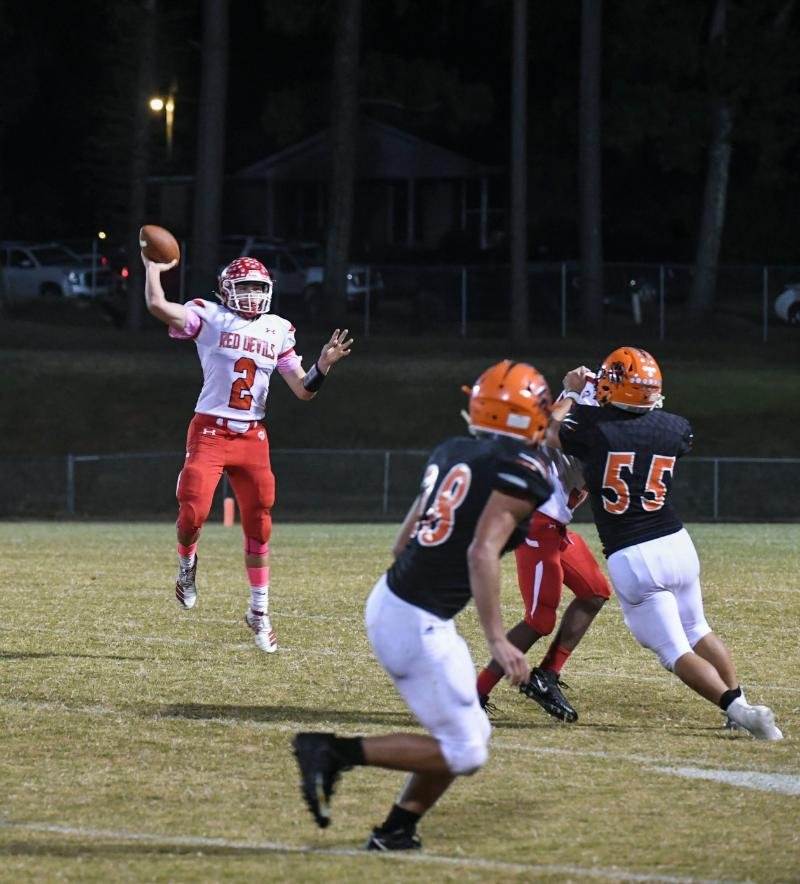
<point x="167" y="105"/>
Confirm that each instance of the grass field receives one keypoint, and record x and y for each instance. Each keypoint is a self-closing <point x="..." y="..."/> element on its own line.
<point x="141" y="743"/>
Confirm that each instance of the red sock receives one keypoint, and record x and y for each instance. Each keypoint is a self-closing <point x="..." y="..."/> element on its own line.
<point x="487" y="680"/>
<point x="556" y="657"/>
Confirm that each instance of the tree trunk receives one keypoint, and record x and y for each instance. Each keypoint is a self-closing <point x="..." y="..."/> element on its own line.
<point x="519" y="173"/>
<point x="210" y="171"/>
<point x="701" y="300"/>
<point x="140" y="162"/>
<point x="344" y="124"/>
<point x="591" y="223"/>
<point x="712" y="220"/>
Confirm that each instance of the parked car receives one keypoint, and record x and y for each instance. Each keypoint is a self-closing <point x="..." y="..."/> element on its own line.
<point x="102" y="254"/>
<point x="32" y="270"/>
<point x="787" y="304"/>
<point x="298" y="270"/>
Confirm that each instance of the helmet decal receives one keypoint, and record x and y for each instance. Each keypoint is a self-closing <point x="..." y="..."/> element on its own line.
<point x="630" y="378"/>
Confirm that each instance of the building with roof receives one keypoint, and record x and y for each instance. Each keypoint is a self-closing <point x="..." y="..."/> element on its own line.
<point x="409" y="193"/>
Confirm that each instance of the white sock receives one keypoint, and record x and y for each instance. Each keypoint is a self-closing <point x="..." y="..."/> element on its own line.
<point x="259" y="598"/>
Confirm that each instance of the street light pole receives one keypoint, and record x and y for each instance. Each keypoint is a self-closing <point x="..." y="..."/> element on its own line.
<point x="167" y="105"/>
<point x="169" y="116"/>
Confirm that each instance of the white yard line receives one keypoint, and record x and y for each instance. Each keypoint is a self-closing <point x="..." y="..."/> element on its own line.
<point x="612" y="874"/>
<point x="762" y="781"/>
<point x="784" y="784"/>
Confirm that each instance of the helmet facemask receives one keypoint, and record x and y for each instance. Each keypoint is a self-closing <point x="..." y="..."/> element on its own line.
<point x="245" y="287"/>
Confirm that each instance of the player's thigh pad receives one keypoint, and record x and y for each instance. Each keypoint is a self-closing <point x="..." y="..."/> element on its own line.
<point x="582" y="574"/>
<point x="431" y="668"/>
<point x="688" y="593"/>
<point x="202" y="469"/>
<point x="540" y="577"/>
<point x="253" y="483"/>
<point x="648" y="599"/>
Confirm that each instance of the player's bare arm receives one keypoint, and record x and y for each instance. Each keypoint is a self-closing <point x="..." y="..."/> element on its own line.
<point x="560" y="410"/>
<point x="574" y="381"/>
<point x="500" y="516"/>
<point x="305" y="384"/>
<point x="407" y="528"/>
<point x="156" y="301"/>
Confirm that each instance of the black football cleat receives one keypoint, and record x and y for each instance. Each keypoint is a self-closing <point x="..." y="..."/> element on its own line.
<point x="488" y="707"/>
<point x="319" y="772"/>
<point x="543" y="688"/>
<point x="398" y="839"/>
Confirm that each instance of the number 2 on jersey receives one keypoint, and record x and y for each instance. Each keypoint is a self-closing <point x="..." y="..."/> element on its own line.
<point x="437" y="524"/>
<point x="655" y="488"/>
<point x="241" y="397"/>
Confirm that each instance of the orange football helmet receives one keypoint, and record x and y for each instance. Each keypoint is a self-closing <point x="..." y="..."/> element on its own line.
<point x="511" y="399"/>
<point x="630" y="379"/>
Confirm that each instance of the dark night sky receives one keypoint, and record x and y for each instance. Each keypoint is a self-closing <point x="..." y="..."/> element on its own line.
<point x="67" y="70"/>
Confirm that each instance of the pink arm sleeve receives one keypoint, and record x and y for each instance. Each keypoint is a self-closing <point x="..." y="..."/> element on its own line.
<point x="190" y="330"/>
<point x="289" y="362"/>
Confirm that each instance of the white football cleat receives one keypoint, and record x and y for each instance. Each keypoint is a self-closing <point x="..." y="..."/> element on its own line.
<point x="757" y="720"/>
<point x="263" y="633"/>
<point x="185" y="589"/>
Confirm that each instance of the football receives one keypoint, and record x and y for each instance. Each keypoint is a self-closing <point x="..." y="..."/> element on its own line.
<point x="158" y="244"/>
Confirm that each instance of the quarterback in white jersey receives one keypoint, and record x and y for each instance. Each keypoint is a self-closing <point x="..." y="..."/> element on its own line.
<point x="238" y="357"/>
<point x="550" y="557"/>
<point x="240" y="345"/>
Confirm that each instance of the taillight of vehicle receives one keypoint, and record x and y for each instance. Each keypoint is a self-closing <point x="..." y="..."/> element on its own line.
<point x="124" y="273"/>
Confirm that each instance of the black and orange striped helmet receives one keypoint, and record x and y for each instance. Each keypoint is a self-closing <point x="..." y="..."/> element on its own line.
<point x="511" y="399"/>
<point x="629" y="378"/>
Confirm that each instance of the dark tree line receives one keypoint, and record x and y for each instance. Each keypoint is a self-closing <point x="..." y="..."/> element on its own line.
<point x="653" y="129"/>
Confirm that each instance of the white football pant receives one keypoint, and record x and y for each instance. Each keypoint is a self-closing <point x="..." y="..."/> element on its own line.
<point x="658" y="586"/>
<point x="431" y="668"/>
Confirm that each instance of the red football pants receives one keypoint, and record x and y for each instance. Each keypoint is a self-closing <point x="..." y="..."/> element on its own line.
<point x="552" y="556"/>
<point x="210" y="449"/>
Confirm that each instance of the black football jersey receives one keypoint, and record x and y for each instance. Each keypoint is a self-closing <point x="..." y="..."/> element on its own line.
<point x="628" y="460"/>
<point x="461" y="473"/>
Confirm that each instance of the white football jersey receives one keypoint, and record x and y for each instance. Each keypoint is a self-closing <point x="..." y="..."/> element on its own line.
<point x="565" y="473"/>
<point x="238" y="356"/>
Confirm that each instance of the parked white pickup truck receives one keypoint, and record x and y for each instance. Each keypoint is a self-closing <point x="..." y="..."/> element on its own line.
<point x="33" y="270"/>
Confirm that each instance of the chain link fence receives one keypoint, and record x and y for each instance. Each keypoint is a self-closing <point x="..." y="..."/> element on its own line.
<point x="353" y="486"/>
<point x="472" y="300"/>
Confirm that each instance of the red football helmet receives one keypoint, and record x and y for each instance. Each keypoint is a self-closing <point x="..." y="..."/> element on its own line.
<point x="629" y="378"/>
<point x="511" y="399"/>
<point x="248" y="303"/>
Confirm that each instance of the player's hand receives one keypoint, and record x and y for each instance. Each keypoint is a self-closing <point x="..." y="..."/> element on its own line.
<point x="575" y="380"/>
<point x="159" y="268"/>
<point x="513" y="661"/>
<point x="335" y="349"/>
